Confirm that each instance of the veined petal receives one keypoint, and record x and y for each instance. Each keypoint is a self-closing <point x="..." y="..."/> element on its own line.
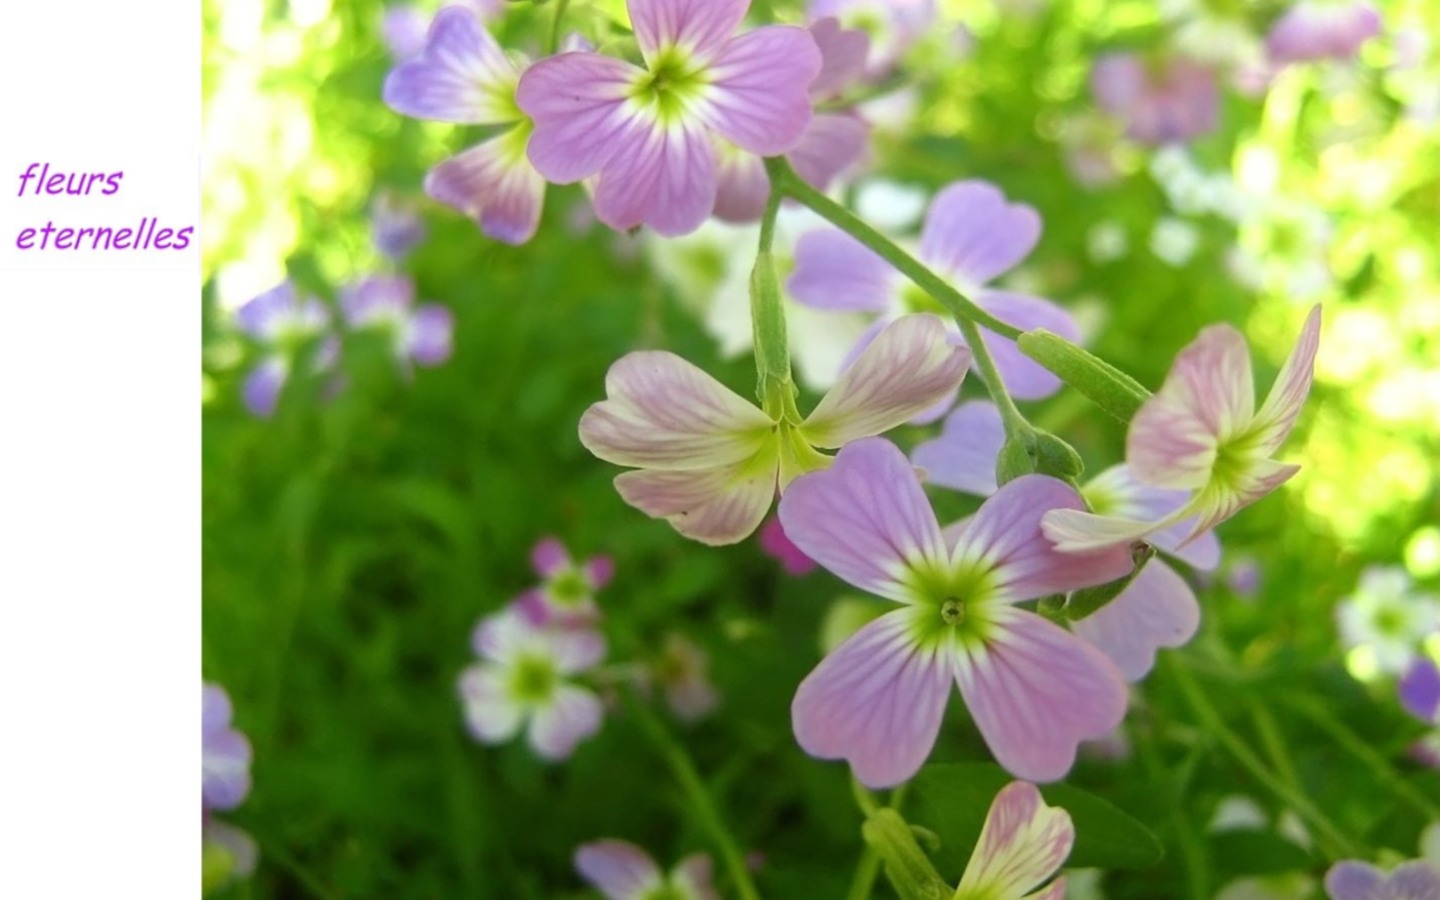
<point x="493" y="716"/>
<point x="713" y="506"/>
<point x="572" y="715"/>
<point x="1024" y="377"/>
<point x="1287" y="396"/>
<point x="664" y="177"/>
<point x="1075" y="531"/>
<point x="908" y="368"/>
<point x="700" y="28"/>
<point x="1036" y="691"/>
<point x="865" y="518"/>
<point x="876" y="701"/>
<point x="618" y="869"/>
<point x="462" y="75"/>
<point x="973" y="234"/>
<point x="494" y="184"/>
<point x="662" y="412"/>
<point x="963" y="456"/>
<point x="1115" y="492"/>
<point x="1156" y="610"/>
<point x="833" y="143"/>
<point x="582" y="119"/>
<point x="759" y="95"/>
<point x="1208" y="396"/>
<point x="742" y="185"/>
<point x="837" y="273"/>
<point x="1022" y="843"/>
<point x="1005" y="536"/>
<point x="1218" y="502"/>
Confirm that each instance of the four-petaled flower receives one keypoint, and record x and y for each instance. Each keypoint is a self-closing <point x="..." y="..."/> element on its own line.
<point x="522" y="679"/>
<point x="710" y="462"/>
<point x="420" y="334"/>
<point x="1022" y="843"/>
<point x="622" y="871"/>
<point x="1034" y="689"/>
<point x="1389" y="617"/>
<point x="464" y="76"/>
<point x="649" y="133"/>
<point x="1355" y="880"/>
<point x="1201" y="433"/>
<point x="283" y="323"/>
<point x="566" y="595"/>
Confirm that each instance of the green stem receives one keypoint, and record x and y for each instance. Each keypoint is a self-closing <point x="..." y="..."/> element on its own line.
<point x="1252" y="762"/>
<point x="773" y="380"/>
<point x="560" y="6"/>
<point x="700" y="800"/>
<point x="784" y="180"/>
<point x="866" y="871"/>
<point x="1015" y="424"/>
<point x="1367" y="754"/>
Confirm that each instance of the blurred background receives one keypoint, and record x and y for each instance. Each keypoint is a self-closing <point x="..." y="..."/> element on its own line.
<point x="355" y="534"/>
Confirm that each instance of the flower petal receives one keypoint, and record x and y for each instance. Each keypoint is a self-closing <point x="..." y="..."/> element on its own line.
<point x="973" y="234"/>
<point x="742" y="186"/>
<point x="1208" y="396"/>
<point x="462" y="75"/>
<point x="1024" y="377"/>
<point x="876" y="701"/>
<point x="1115" y="492"/>
<point x="1219" y="501"/>
<point x="598" y="571"/>
<point x="1309" y="31"/>
<point x="713" y="506"/>
<point x="261" y="390"/>
<point x="1005" y="535"/>
<point x="578" y="104"/>
<point x="694" y="877"/>
<point x="909" y="367"/>
<point x="698" y="27"/>
<point x="866" y="518"/>
<point x="494" y="184"/>
<point x="572" y="715"/>
<point x="1418" y="878"/>
<point x="618" y="869"/>
<point x="1287" y="395"/>
<point x="574" y="649"/>
<point x="1354" y="880"/>
<point x="549" y="557"/>
<point x="1420" y="690"/>
<point x="833" y="143"/>
<point x="1055" y="890"/>
<point x="664" y="177"/>
<point x="1022" y="843"/>
<point x="759" y="93"/>
<point x="842" y="53"/>
<point x="1158" y="609"/>
<point x="429" y="337"/>
<point x="662" y="412"/>
<point x="963" y="456"/>
<point x="225" y="770"/>
<point x="215" y="710"/>
<point x="493" y="716"/>
<point x="837" y="273"/>
<point x="1036" y="691"/>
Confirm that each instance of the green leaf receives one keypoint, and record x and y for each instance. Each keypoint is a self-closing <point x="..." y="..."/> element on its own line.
<point x="1253" y="851"/>
<point x="952" y="799"/>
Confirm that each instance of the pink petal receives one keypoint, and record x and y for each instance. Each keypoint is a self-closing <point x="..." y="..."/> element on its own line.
<point x="842" y="53"/>
<point x="598" y="571"/>
<point x="573" y="715"/>
<point x="664" y="177"/>
<point x="492" y="715"/>
<point x="832" y="144"/>
<point x="1022" y="843"/>
<point x="1036" y="691"/>
<point x="775" y="544"/>
<point x="1287" y="396"/>
<point x="876" y="701"/>
<point x="909" y="367"/>
<point x="699" y="27"/>
<point x="973" y="234"/>
<point x="494" y="184"/>
<point x="759" y="97"/>
<point x="865" y="518"/>
<point x="1218" y="502"/>
<point x="1005" y="535"/>
<point x="742" y="186"/>
<point x="695" y="874"/>
<point x="574" y="649"/>
<point x="963" y="456"/>
<point x="662" y="412"/>
<point x="549" y="557"/>
<point x="1074" y="531"/>
<point x="837" y="273"/>
<point x="1309" y="30"/>
<point x="1157" y="610"/>
<point x="713" y="506"/>
<point x="618" y="869"/>
<point x="582" y="120"/>
<point x="1116" y="493"/>
<point x="462" y="75"/>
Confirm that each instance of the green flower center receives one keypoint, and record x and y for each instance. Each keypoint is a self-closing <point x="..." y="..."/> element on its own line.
<point x="1234" y="460"/>
<point x="916" y="300"/>
<point x="569" y="588"/>
<point x="672" y="83"/>
<point x="533" y="679"/>
<point x="952" y="602"/>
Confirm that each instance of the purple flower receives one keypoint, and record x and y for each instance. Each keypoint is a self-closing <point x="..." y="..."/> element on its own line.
<point x="1420" y="690"/>
<point x="775" y="544"/>
<point x="282" y="323"/>
<point x="1322" y="29"/>
<point x="464" y="76"/>
<point x="386" y="302"/>
<point x="1022" y="843"/>
<point x="649" y="133"/>
<point x="1201" y="433"/>
<point x="710" y="462"/>
<point x="1354" y="880"/>
<point x="404" y="27"/>
<point x="1158" y="609"/>
<point x="395" y="226"/>
<point x="225" y="753"/>
<point x="566" y="595"/>
<point x="1160" y="101"/>
<point x="972" y="235"/>
<point x="894" y="26"/>
<point x="622" y="871"/>
<point x="1034" y="689"/>
<point x="522" y="682"/>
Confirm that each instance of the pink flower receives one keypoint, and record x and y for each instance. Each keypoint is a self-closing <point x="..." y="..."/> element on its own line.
<point x="1034" y="689"/>
<point x="1322" y="29"/>
<point x="622" y="871"/>
<point x="1162" y="101"/>
<point x="464" y="76"/>
<point x="419" y="334"/>
<point x="649" y="133"/>
<point x="1022" y="843"/>
<point x="566" y="595"/>
<point x="710" y="462"/>
<point x="775" y="544"/>
<point x="1201" y="433"/>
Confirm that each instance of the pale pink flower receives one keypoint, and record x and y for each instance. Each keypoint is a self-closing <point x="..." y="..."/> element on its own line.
<point x="566" y="595"/>
<point x="619" y="870"/>
<point x="1022" y="843"/>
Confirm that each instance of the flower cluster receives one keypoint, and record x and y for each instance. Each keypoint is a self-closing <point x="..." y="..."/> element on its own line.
<point x="228" y="852"/>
